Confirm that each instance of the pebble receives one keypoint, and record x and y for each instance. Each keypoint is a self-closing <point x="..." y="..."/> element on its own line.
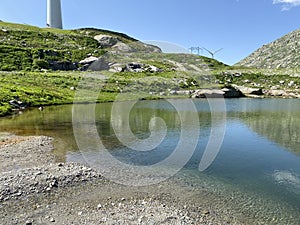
<point x="205" y="212"/>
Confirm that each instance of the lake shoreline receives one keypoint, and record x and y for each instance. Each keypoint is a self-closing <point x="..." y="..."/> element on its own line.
<point x="194" y="94"/>
<point x="37" y="190"/>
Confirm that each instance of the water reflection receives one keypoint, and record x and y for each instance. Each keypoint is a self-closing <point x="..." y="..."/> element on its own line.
<point x="259" y="156"/>
<point x="275" y="119"/>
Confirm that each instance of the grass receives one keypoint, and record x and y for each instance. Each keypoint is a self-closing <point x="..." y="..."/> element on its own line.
<point x="37" y="88"/>
<point x="261" y="78"/>
<point x="22" y="45"/>
<point x="25" y="50"/>
<point x="52" y="88"/>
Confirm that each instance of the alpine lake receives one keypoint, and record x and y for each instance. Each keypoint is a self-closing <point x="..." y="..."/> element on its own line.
<point x="255" y="166"/>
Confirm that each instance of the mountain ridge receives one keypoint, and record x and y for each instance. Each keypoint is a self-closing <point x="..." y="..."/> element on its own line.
<point x="283" y="52"/>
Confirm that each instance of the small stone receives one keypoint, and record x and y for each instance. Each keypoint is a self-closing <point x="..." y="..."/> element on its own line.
<point x="52" y="219"/>
<point x="205" y="212"/>
<point x="28" y="222"/>
<point x="99" y="206"/>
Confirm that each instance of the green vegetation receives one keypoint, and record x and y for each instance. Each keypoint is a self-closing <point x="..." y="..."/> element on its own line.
<point x="28" y="54"/>
<point x="260" y="78"/>
<point x="35" y="89"/>
<point x="22" y="45"/>
<point x="50" y="88"/>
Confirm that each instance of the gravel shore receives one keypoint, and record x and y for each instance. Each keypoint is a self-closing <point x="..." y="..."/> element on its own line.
<point x="34" y="189"/>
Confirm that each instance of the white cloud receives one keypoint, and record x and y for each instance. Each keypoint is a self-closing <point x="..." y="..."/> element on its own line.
<point x="287" y="4"/>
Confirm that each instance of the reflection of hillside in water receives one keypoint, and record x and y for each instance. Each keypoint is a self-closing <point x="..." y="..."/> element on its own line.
<point x="56" y="122"/>
<point x="280" y="127"/>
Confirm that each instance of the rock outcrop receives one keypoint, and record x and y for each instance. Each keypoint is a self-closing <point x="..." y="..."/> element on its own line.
<point x="106" y="41"/>
<point x="117" y="45"/>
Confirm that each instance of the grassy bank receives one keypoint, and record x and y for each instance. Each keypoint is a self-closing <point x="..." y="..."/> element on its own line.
<point x="52" y="88"/>
<point x="36" y="89"/>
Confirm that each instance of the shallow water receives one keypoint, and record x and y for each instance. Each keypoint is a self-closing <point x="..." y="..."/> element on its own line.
<point x="256" y="170"/>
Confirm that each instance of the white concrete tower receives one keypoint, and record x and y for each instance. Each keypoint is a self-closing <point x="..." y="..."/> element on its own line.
<point x="54" y="18"/>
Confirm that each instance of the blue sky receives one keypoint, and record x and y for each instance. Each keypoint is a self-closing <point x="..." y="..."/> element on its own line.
<point x="237" y="26"/>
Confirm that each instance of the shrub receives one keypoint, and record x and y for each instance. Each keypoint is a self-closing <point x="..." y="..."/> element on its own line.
<point x="40" y="64"/>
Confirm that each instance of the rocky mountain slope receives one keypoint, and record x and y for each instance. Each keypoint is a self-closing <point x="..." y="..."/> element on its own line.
<point x="281" y="53"/>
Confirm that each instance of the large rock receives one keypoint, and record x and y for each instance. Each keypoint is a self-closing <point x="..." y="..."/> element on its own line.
<point x="247" y="91"/>
<point x="55" y="65"/>
<point x="106" y="41"/>
<point x="232" y="92"/>
<point x="122" y="47"/>
<point x="99" y="65"/>
<point x="208" y="93"/>
<point x="89" y="60"/>
<point x="217" y="93"/>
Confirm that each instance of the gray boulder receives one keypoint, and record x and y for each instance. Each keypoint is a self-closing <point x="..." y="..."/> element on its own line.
<point x="122" y="47"/>
<point x="106" y="41"/>
<point x="208" y="93"/>
<point x="99" y="65"/>
<point x="232" y="92"/>
<point x="247" y="91"/>
<point x="56" y="65"/>
<point x="217" y="93"/>
<point x="88" y="60"/>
